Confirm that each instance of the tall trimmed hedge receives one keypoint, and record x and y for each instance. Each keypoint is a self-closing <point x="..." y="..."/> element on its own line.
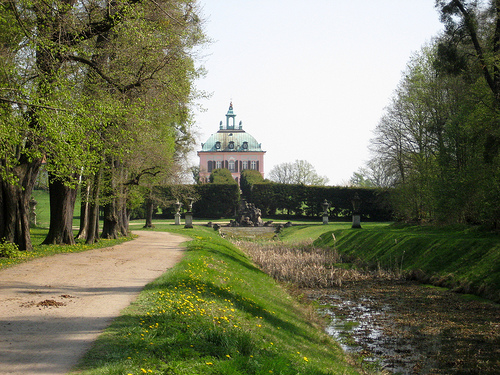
<point x="248" y="178"/>
<point x="222" y="200"/>
<point x="217" y="200"/>
<point x="302" y="200"/>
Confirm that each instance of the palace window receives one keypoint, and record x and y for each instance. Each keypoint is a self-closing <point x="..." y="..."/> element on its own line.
<point x="244" y="165"/>
<point x="231" y="165"/>
<point x="253" y="165"/>
<point x="218" y="164"/>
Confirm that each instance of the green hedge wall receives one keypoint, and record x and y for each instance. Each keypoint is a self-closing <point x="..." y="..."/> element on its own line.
<point x="222" y="200"/>
<point x="302" y="200"/>
<point x="216" y="200"/>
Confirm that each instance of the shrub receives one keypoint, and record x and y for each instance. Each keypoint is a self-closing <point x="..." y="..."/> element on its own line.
<point x="8" y="249"/>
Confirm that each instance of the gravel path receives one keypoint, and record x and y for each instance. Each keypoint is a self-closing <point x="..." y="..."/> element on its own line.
<point x="53" y="308"/>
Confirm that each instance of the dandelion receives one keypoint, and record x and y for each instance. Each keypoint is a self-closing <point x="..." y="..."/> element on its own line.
<point x="305" y="359"/>
<point x="228" y="356"/>
<point x="208" y="363"/>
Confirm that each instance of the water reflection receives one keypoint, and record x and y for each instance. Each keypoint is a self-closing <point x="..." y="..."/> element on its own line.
<point x="409" y="329"/>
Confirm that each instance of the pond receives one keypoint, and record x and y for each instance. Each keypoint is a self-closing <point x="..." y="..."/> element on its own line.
<point x="403" y="327"/>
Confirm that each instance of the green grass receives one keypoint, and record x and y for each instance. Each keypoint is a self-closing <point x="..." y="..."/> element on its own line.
<point x="464" y="259"/>
<point x="310" y="232"/>
<point x="214" y="313"/>
<point x="39" y="250"/>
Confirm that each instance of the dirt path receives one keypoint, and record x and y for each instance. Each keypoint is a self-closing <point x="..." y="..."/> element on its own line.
<point x="52" y="309"/>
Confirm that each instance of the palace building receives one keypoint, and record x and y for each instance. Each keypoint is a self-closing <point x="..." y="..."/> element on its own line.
<point x="231" y="148"/>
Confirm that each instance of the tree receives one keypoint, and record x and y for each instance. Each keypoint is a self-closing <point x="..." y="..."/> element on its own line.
<point x="298" y="172"/>
<point x="90" y="76"/>
<point x="222" y="176"/>
<point x="248" y="178"/>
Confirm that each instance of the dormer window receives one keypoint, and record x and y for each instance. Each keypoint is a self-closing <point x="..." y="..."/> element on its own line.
<point x="245" y="145"/>
<point x="231" y="145"/>
<point x="217" y="145"/>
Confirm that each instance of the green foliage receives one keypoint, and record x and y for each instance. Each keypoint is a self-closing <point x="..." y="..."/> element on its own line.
<point x="463" y="259"/>
<point x="248" y="178"/>
<point x="217" y="200"/>
<point x="222" y="176"/>
<point x="214" y="313"/>
<point x="116" y="97"/>
<point x="306" y="200"/>
<point x="38" y="235"/>
<point x="8" y="250"/>
<point x="438" y="140"/>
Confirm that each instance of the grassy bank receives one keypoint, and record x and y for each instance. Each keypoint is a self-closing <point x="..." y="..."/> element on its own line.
<point x="214" y="313"/>
<point x="463" y="259"/>
<point x="39" y="250"/>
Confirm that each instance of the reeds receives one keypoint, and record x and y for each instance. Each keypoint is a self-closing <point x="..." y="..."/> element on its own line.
<point x="301" y="264"/>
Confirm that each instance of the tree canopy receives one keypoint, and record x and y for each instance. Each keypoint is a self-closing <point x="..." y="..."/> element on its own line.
<point x="222" y="176"/>
<point x="102" y="92"/>
<point x="438" y="141"/>
<point x="298" y="172"/>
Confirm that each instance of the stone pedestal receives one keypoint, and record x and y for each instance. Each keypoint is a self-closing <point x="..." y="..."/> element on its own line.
<point x="177" y="218"/>
<point x="356" y="221"/>
<point x="188" y="219"/>
<point x="325" y="219"/>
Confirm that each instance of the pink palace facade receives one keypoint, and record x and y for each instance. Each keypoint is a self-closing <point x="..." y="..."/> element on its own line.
<point x="231" y="148"/>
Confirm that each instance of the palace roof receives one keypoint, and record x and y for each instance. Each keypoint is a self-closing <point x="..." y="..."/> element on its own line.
<point x="231" y="138"/>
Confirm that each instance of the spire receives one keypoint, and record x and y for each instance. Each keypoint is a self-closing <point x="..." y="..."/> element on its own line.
<point x="230" y="110"/>
<point x="230" y="117"/>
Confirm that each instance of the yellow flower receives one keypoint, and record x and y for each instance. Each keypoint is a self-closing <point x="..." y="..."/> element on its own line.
<point x="305" y="359"/>
<point x="228" y="356"/>
<point x="208" y="363"/>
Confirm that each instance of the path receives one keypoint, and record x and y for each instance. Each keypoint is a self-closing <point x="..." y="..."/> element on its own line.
<point x="53" y="308"/>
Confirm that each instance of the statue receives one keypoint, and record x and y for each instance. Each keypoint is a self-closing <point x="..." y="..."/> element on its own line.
<point x="249" y="215"/>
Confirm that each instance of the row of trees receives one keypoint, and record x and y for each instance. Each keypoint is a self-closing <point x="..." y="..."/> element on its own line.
<point x="100" y="91"/>
<point x="438" y="142"/>
<point x="298" y="172"/>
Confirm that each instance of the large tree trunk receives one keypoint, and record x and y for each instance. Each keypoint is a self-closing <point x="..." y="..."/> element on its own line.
<point x="110" y="224"/>
<point x="14" y="204"/>
<point x="93" y="212"/>
<point x="62" y="206"/>
<point x="110" y="194"/>
<point x="123" y="215"/>
<point x="149" y="213"/>
<point x="84" y="210"/>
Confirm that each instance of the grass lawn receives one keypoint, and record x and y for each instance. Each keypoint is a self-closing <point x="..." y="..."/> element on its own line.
<point x="214" y="313"/>
<point x="464" y="259"/>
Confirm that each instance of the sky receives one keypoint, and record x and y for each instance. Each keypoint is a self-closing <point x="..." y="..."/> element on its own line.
<point x="309" y="79"/>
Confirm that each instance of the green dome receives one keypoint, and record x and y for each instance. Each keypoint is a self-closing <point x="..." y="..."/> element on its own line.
<point x="231" y="140"/>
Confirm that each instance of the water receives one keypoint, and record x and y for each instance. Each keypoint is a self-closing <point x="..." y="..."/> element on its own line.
<point x="405" y="328"/>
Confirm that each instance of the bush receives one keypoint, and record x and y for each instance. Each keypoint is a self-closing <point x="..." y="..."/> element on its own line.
<point x="8" y="249"/>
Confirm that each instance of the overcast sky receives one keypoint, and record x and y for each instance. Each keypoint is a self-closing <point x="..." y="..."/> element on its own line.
<point x="309" y="79"/>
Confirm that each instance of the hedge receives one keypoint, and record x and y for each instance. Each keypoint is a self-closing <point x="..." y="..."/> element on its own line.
<point x="302" y="200"/>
